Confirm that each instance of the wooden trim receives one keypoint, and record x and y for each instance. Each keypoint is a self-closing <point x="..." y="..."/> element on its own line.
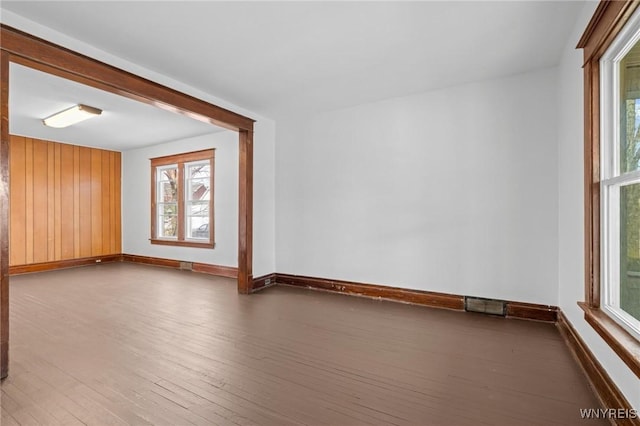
<point x="532" y="311"/>
<point x="623" y="343"/>
<point x="592" y="25"/>
<point x="148" y="260"/>
<point x="54" y="59"/>
<point x="245" y="220"/>
<point x="592" y="183"/>
<point x="263" y="282"/>
<point x="218" y="270"/>
<point x="185" y="243"/>
<point x="529" y="311"/>
<point x="152" y="187"/>
<point x="606" y="390"/>
<point x="4" y="214"/>
<point x="605" y="24"/>
<point x="205" y="268"/>
<point x="187" y="157"/>
<point x="181" y="206"/>
<point x="62" y="264"/>
<point x="418" y="297"/>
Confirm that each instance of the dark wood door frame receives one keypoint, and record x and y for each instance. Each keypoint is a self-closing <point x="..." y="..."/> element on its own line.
<point x="25" y="49"/>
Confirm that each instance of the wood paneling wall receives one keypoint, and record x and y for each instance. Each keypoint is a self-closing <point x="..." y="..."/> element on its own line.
<point x="65" y="201"/>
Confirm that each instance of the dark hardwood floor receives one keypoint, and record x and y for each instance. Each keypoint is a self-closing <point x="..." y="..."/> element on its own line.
<point x="122" y="344"/>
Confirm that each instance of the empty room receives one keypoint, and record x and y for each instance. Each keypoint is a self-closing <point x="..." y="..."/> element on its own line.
<point x="319" y="213"/>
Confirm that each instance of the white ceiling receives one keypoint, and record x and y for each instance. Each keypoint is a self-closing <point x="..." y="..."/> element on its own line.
<point x="124" y="123"/>
<point x="274" y="57"/>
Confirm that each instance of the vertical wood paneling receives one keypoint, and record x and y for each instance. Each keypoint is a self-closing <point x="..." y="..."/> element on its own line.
<point x="17" y="184"/>
<point x="28" y="212"/>
<point x="106" y="207"/>
<point x="76" y="202"/>
<point x="112" y="200"/>
<point x="50" y="202"/>
<point x="96" y="202"/>
<point x="17" y="254"/>
<point x="69" y="221"/>
<point x="57" y="233"/>
<point x="85" y="201"/>
<point x="40" y="189"/>
<point x="117" y="214"/>
<point x="65" y="201"/>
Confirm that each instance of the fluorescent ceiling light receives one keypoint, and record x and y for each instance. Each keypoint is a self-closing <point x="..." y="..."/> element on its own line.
<point x="70" y="116"/>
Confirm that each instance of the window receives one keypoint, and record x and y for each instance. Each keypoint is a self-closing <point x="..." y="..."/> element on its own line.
<point x="611" y="46"/>
<point x="182" y="199"/>
<point x="620" y="180"/>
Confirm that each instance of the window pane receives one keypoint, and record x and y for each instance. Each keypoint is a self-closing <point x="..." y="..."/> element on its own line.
<point x="167" y="190"/>
<point x="630" y="110"/>
<point x="198" y="227"/>
<point x="198" y="189"/>
<point x="630" y="249"/>
<point x="198" y="170"/>
<point x="168" y="226"/>
<point x="198" y="209"/>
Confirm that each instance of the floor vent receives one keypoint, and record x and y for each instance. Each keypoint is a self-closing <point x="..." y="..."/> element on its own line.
<point x="187" y="266"/>
<point x="485" y="306"/>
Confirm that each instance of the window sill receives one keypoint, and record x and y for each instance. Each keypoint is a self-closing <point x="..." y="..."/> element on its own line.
<point x="623" y="343"/>
<point x="194" y="244"/>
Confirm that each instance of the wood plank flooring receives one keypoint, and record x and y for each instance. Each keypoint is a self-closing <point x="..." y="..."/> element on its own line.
<point x="120" y="344"/>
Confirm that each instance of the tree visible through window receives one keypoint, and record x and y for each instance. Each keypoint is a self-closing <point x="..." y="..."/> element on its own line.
<point x="181" y="200"/>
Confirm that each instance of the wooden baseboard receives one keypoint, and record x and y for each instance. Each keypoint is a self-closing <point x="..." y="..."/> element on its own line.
<point x="418" y="297"/>
<point x="263" y="282"/>
<point x="529" y="311"/>
<point x="218" y="270"/>
<point x="606" y="390"/>
<point x="148" y="260"/>
<point x="532" y="311"/>
<point x="62" y="264"/>
<point x="205" y="268"/>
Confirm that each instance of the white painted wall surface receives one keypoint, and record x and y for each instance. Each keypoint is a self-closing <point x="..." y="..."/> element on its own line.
<point x="452" y="191"/>
<point x="136" y="196"/>
<point x="571" y="211"/>
<point x="264" y="202"/>
<point x="264" y="135"/>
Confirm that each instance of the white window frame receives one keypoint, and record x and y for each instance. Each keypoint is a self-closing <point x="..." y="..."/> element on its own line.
<point x="612" y="180"/>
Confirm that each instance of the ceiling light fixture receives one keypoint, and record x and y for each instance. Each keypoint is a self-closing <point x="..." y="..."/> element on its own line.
<point x="73" y="115"/>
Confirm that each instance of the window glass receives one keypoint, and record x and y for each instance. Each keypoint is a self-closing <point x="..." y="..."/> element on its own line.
<point x="198" y="196"/>
<point x="629" y="297"/>
<point x="630" y="110"/>
<point x="167" y="199"/>
<point x="182" y="199"/>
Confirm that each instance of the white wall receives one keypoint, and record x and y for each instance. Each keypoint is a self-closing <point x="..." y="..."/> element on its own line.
<point x="264" y="135"/>
<point x="264" y="201"/>
<point x="452" y="191"/>
<point x="136" y="195"/>
<point x="571" y="211"/>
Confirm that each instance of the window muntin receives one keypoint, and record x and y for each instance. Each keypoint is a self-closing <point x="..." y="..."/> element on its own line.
<point x="620" y="181"/>
<point x="182" y="201"/>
